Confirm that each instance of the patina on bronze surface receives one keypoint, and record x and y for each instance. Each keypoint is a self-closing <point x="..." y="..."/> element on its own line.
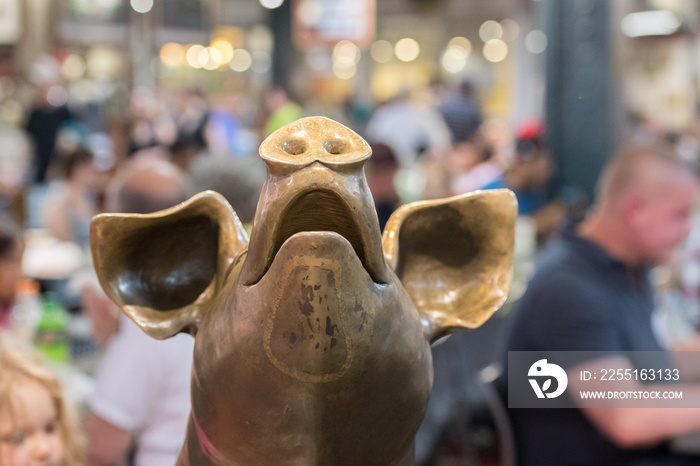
<point x="313" y="340"/>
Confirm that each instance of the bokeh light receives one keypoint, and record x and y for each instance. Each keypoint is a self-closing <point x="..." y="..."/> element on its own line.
<point x="309" y="12"/>
<point x="650" y="23"/>
<point x="172" y="54"/>
<point x="104" y="62"/>
<point x="241" y="60"/>
<point x="271" y="4"/>
<point x="73" y="67"/>
<point x="454" y="59"/>
<point x="511" y="30"/>
<point x="495" y="50"/>
<point x="536" y="41"/>
<point x="343" y="71"/>
<point x="213" y="59"/>
<point x="57" y="96"/>
<point x="381" y="51"/>
<point x="224" y="48"/>
<point x="490" y="30"/>
<point x="346" y="53"/>
<point x="195" y="55"/>
<point x="142" y="6"/>
<point x="407" y="49"/>
<point x="462" y="42"/>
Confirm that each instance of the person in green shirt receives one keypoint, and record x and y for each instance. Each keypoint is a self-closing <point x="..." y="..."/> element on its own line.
<point x="283" y="110"/>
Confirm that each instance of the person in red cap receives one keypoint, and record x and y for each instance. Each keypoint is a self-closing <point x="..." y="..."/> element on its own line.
<point x="528" y="175"/>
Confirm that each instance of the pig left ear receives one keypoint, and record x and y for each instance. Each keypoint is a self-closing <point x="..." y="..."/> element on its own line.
<point x="164" y="268"/>
<point x="454" y="256"/>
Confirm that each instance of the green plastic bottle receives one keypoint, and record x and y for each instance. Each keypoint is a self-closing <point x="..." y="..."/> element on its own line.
<point x="51" y="338"/>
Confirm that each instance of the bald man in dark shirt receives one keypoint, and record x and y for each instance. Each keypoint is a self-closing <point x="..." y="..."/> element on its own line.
<point x="591" y="293"/>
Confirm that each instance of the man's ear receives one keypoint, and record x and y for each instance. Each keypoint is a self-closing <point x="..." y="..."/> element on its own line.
<point x="632" y="211"/>
<point x="163" y="269"/>
<point x="454" y="256"/>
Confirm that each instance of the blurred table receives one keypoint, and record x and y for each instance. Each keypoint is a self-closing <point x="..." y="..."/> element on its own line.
<point x="47" y="258"/>
<point x="54" y="264"/>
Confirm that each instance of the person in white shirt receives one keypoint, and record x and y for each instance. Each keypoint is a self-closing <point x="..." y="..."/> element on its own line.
<point x="141" y="402"/>
<point x="143" y="396"/>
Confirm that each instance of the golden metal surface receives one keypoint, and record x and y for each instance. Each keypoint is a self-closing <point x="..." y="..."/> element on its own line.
<point x="163" y="269"/>
<point x="454" y="256"/>
<point x="309" y="349"/>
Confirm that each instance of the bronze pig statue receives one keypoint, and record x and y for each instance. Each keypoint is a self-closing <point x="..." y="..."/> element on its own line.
<point x="313" y="339"/>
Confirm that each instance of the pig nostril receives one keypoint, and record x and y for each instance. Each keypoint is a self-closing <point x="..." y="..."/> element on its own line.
<point x="294" y="146"/>
<point x="335" y="146"/>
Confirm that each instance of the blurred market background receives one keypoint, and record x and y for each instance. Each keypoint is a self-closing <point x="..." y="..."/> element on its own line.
<point x="439" y="87"/>
<point x="590" y="69"/>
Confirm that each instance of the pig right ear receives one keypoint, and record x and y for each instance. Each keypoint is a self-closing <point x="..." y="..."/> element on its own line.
<point x="163" y="269"/>
<point x="454" y="256"/>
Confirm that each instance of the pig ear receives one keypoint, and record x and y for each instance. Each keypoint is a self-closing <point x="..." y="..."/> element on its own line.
<point x="164" y="268"/>
<point x="454" y="256"/>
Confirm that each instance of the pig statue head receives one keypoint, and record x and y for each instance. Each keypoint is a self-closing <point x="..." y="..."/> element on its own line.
<point x="313" y="338"/>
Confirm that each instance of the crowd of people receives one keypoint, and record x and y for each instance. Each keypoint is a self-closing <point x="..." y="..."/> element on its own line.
<point x="591" y="291"/>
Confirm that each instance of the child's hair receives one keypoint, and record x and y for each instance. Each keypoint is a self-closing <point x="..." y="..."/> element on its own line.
<point x="17" y="367"/>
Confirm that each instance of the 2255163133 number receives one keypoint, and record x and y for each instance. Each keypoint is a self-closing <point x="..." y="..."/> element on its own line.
<point x="659" y="375"/>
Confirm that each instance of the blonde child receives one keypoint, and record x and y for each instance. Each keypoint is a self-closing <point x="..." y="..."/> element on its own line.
<point x="36" y="426"/>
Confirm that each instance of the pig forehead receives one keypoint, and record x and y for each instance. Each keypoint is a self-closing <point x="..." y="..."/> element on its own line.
<point x="314" y="139"/>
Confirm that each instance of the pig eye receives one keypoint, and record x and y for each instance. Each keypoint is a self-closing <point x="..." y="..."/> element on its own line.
<point x="335" y="146"/>
<point x="294" y="146"/>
